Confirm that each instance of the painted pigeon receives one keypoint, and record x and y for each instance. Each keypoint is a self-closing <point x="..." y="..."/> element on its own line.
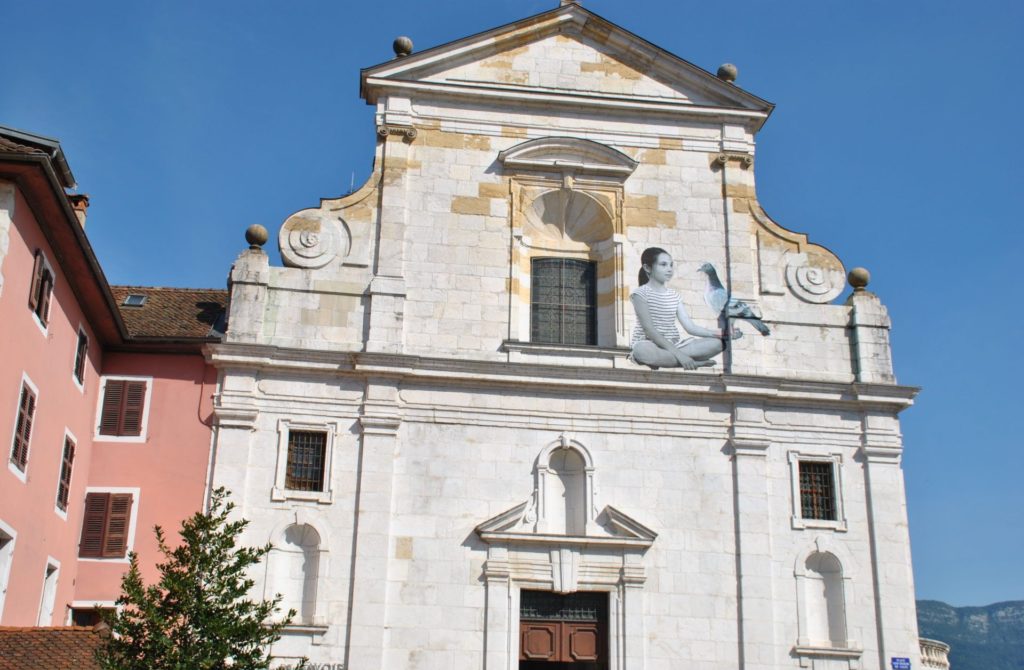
<point x="718" y="299"/>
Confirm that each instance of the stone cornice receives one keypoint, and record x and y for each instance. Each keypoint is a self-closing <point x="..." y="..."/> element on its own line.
<point x="519" y="96"/>
<point x="634" y="381"/>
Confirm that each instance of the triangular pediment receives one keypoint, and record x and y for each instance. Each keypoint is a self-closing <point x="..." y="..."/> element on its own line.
<point x="567" y="51"/>
<point x="612" y="528"/>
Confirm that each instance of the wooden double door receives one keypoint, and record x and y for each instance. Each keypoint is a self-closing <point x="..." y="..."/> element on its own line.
<point x="563" y="632"/>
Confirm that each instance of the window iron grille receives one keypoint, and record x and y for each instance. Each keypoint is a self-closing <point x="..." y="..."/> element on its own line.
<point x="307" y="451"/>
<point x="548" y="606"/>
<point x="817" y="491"/>
<point x="563" y="301"/>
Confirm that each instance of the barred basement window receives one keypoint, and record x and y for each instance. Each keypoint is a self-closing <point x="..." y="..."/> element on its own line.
<point x="67" y="462"/>
<point x="563" y="301"/>
<point x="23" y="428"/>
<point x="817" y="491"/>
<point x="307" y="456"/>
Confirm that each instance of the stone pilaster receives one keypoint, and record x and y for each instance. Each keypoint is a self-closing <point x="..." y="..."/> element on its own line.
<point x="387" y="289"/>
<point x="234" y="414"/>
<point x="753" y="538"/>
<point x="893" y="579"/>
<point x="379" y="424"/>
<point x="869" y="330"/>
<point x="248" y="281"/>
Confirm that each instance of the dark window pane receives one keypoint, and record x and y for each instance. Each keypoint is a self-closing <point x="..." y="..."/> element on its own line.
<point x="817" y="491"/>
<point x="307" y="451"/>
<point x="563" y="301"/>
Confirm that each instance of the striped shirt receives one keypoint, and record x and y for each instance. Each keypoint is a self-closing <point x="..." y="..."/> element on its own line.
<point x="663" y="307"/>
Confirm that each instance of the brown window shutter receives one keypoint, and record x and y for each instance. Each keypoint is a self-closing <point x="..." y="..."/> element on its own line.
<point x="93" y="525"/>
<point x="113" y="396"/>
<point x="45" y="291"/>
<point x="115" y="540"/>
<point x="134" y="406"/>
<point x="23" y="431"/>
<point x="37" y="278"/>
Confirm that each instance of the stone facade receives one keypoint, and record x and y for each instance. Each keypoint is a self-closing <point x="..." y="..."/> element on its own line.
<point x="465" y="463"/>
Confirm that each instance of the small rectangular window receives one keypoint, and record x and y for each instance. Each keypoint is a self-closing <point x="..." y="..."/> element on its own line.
<point x="81" y="356"/>
<point x="123" y="409"/>
<point x="23" y="429"/>
<point x="42" y="288"/>
<point x="307" y="452"/>
<point x="106" y="525"/>
<point x="563" y="301"/>
<point x="67" y="462"/>
<point x="817" y="491"/>
<point x="134" y="300"/>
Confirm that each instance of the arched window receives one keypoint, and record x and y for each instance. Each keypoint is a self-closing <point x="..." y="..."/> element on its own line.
<point x="824" y="609"/>
<point x="295" y="570"/>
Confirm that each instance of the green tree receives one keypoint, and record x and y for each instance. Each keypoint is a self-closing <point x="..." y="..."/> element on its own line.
<point x="197" y="616"/>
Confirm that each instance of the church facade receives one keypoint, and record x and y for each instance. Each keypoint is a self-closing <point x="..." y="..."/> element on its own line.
<point x="431" y="410"/>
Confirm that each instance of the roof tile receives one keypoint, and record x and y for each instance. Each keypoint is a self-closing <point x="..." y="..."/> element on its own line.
<point x="185" y="313"/>
<point x="57" y="648"/>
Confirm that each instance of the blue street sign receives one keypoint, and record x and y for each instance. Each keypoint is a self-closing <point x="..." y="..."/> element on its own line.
<point x="900" y="663"/>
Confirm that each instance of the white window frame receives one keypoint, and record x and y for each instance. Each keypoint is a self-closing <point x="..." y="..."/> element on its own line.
<point x="144" y="432"/>
<point x="89" y="605"/>
<point x="5" y="566"/>
<point x="22" y="474"/>
<point x="51" y="562"/>
<point x="68" y="435"/>
<point x="836" y="460"/>
<point x="130" y="544"/>
<point x="284" y="427"/>
<point x="80" y="385"/>
<point x="49" y="303"/>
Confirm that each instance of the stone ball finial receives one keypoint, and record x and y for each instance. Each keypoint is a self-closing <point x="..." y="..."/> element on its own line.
<point x="859" y="278"/>
<point x="256" y="235"/>
<point x="728" y="72"/>
<point x="402" y="46"/>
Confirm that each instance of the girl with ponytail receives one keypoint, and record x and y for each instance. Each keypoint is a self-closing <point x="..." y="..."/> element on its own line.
<point x="656" y="340"/>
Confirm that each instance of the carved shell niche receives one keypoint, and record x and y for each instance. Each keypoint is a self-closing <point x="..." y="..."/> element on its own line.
<point x="813" y="283"/>
<point x="565" y="218"/>
<point x="312" y="239"/>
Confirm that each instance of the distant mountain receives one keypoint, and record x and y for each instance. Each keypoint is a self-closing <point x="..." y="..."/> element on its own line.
<point x="982" y="638"/>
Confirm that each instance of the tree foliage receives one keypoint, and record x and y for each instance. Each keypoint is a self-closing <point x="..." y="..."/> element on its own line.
<point x="198" y="615"/>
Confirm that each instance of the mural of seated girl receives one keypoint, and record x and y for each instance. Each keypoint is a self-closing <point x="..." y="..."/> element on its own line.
<point x="656" y="340"/>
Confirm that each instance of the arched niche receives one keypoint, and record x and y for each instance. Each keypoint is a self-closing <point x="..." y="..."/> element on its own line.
<point x="296" y="568"/>
<point x="564" y="488"/>
<point x="824" y="585"/>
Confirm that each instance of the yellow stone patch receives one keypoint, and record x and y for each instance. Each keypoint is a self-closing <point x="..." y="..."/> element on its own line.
<point x="485" y="190"/>
<point x="513" y="131"/>
<point x="403" y="547"/>
<point x="653" y="156"/>
<point x="741" y="205"/>
<point x="739" y="191"/>
<point x="446" y="140"/>
<point x="672" y="143"/>
<point x="609" y="67"/>
<point x="468" y="205"/>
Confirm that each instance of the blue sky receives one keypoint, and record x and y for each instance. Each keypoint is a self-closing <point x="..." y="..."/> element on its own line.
<point x="896" y="142"/>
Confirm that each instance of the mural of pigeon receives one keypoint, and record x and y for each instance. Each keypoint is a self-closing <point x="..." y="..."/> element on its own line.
<point x="719" y="300"/>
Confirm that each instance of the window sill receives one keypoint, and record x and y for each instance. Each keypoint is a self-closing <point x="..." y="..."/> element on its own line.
<point x="137" y="439"/>
<point x="851" y="651"/>
<point x="278" y="494"/>
<point x="800" y="523"/>
<point x="18" y="472"/>
<point x="598" y="355"/>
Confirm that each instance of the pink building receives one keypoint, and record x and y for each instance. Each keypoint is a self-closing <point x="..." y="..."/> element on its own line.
<point x="104" y="401"/>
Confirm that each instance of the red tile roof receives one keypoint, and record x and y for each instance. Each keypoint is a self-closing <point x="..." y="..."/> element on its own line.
<point x="180" y="313"/>
<point x="58" y="648"/>
<point x="8" y="145"/>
